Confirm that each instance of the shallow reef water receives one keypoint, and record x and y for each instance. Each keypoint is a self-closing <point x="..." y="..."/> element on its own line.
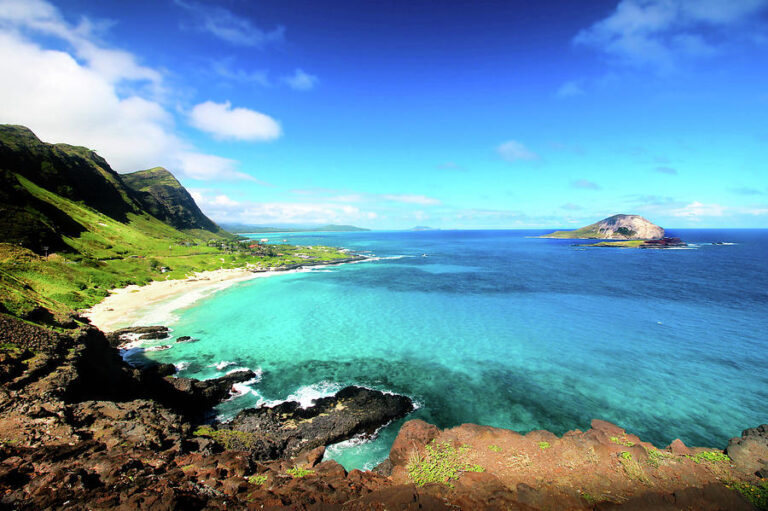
<point x="499" y="328"/>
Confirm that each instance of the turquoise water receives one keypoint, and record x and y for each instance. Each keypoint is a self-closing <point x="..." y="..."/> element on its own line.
<point x="496" y="328"/>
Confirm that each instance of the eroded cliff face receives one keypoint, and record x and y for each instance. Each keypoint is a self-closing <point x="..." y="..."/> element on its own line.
<point x="616" y="227"/>
<point x="80" y="429"/>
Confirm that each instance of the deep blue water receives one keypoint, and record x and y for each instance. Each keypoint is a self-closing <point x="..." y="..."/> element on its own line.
<point x="497" y="328"/>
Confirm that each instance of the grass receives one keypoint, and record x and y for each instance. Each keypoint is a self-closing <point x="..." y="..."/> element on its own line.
<point x="230" y="439"/>
<point x="442" y="463"/>
<point x="756" y="493"/>
<point x="622" y="441"/>
<point x="657" y="457"/>
<point x="710" y="456"/>
<point x="544" y="445"/>
<point x="298" y="472"/>
<point x="257" y="479"/>
<point x="632" y="467"/>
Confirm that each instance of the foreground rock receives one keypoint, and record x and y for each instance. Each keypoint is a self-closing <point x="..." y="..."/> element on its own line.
<point x="287" y="429"/>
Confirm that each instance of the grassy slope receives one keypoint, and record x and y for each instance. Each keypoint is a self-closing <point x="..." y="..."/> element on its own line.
<point x="109" y="254"/>
<point x="584" y="233"/>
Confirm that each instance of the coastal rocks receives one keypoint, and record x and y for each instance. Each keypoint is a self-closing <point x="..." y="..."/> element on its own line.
<point x="750" y="452"/>
<point x="140" y="333"/>
<point x="193" y="397"/>
<point x="287" y="429"/>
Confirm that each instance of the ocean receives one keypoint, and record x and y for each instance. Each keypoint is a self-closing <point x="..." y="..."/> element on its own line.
<point x="503" y="329"/>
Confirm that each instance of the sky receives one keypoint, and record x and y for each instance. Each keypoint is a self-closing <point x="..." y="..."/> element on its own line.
<point x="388" y="115"/>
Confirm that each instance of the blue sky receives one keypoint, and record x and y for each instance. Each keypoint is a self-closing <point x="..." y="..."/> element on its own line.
<point x="496" y="114"/>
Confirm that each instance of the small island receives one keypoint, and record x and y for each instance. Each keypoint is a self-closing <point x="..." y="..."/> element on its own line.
<point x="630" y="231"/>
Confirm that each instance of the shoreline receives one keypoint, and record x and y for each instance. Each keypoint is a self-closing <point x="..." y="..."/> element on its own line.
<point x="155" y="302"/>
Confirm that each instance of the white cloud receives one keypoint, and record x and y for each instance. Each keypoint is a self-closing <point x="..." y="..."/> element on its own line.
<point x="223" y="121"/>
<point x="79" y="96"/>
<point x="229" y="27"/>
<point x="224" y="209"/>
<point x="513" y="150"/>
<point x="412" y="199"/>
<point x="569" y="90"/>
<point x="659" y="32"/>
<point x="300" y="80"/>
<point x="695" y="210"/>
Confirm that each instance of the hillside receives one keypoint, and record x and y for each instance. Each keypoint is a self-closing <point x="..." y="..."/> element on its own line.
<point x="71" y="228"/>
<point x="164" y="197"/>
<point x="616" y="227"/>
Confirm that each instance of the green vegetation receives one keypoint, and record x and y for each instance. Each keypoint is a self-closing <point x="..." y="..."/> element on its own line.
<point x="756" y="493"/>
<point x="245" y="228"/>
<point x="622" y="441"/>
<point x="618" y="244"/>
<point x="298" y="472"/>
<point x="632" y="467"/>
<point x="657" y="457"/>
<point x="711" y="456"/>
<point x="494" y="448"/>
<point x="442" y="464"/>
<point x="72" y="229"/>
<point x="230" y="439"/>
<point x="258" y="479"/>
<point x="544" y="445"/>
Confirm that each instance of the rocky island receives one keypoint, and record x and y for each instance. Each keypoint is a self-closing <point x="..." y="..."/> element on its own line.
<point x="616" y="227"/>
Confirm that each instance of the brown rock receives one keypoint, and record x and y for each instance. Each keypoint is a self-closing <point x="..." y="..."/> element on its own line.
<point x="413" y="434"/>
<point x="678" y="448"/>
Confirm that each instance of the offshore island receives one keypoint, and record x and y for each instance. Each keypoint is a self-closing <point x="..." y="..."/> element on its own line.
<point x="632" y="231"/>
<point x="82" y="429"/>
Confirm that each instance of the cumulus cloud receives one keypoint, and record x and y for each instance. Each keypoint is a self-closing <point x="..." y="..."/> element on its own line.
<point x="513" y="151"/>
<point x="90" y="95"/>
<point x="223" y="121"/>
<point x="229" y="27"/>
<point x="658" y="32"/>
<point x="301" y="81"/>
<point x="585" y="184"/>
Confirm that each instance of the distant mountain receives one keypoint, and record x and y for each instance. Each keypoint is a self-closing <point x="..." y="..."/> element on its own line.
<point x="616" y="227"/>
<point x="244" y="228"/>
<point x="164" y="197"/>
<point x="51" y="195"/>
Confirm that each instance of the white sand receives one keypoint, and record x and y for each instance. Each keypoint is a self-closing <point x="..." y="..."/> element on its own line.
<point x="154" y="303"/>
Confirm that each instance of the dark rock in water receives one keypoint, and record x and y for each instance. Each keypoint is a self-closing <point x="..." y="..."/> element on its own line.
<point x="145" y="333"/>
<point x="287" y="429"/>
<point x="185" y="338"/>
<point x="194" y="397"/>
<point x="750" y="452"/>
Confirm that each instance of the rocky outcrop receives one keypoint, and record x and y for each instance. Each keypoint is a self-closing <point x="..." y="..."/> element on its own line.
<point x="616" y="227"/>
<point x="137" y="333"/>
<point x="288" y="429"/>
<point x="750" y="452"/>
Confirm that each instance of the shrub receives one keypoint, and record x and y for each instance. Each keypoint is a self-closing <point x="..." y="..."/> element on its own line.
<point x="757" y="494"/>
<point x="258" y="479"/>
<point x="711" y="456"/>
<point x="298" y="472"/>
<point x="442" y="464"/>
<point x="544" y="445"/>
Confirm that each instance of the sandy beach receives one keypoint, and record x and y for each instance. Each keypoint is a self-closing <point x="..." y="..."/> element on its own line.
<point x="154" y="303"/>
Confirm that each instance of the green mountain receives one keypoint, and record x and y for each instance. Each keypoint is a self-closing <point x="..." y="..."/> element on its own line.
<point x="616" y="227"/>
<point x="164" y="197"/>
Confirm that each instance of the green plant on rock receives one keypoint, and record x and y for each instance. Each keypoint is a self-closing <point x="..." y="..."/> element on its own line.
<point x="544" y="445"/>
<point x="756" y="493"/>
<point x="625" y="455"/>
<point x="711" y="456"/>
<point x="632" y="467"/>
<point x="258" y="479"/>
<point x="657" y="457"/>
<point x="622" y="440"/>
<point x="441" y="463"/>
<point x="494" y="448"/>
<point x="230" y="439"/>
<point x="298" y="472"/>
